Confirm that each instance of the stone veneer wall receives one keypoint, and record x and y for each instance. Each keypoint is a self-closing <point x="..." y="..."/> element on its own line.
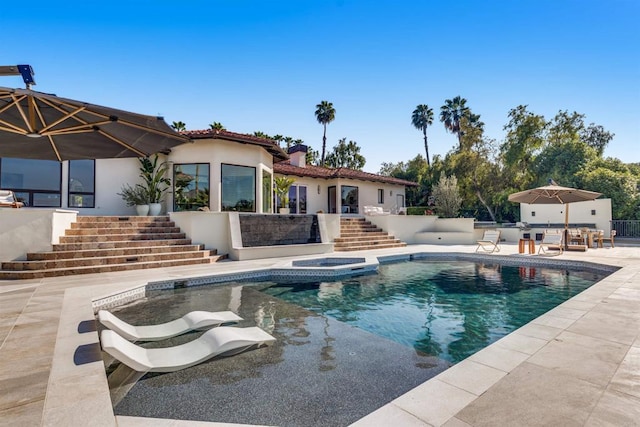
<point x="272" y="230"/>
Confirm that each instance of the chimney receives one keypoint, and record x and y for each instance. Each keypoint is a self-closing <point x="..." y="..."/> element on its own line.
<point x="298" y="155"/>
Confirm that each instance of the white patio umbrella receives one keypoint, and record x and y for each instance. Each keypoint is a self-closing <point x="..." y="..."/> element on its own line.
<point x="554" y="194"/>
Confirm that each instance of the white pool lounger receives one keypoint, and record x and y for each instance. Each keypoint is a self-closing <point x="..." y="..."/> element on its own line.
<point x="225" y="339"/>
<point x="188" y="322"/>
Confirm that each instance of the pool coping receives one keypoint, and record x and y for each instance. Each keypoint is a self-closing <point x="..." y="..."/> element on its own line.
<point x="90" y="392"/>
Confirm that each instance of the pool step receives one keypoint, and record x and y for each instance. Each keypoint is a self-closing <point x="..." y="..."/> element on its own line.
<point x="95" y="244"/>
<point x="359" y="234"/>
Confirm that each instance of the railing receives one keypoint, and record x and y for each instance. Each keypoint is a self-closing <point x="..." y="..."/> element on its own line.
<point x="626" y="228"/>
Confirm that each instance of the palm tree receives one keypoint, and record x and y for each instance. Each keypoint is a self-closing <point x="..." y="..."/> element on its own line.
<point x="451" y="113"/>
<point x="217" y="126"/>
<point x="421" y="118"/>
<point x="179" y="126"/>
<point x="325" y="113"/>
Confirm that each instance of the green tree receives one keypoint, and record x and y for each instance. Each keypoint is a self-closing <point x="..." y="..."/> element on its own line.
<point x="179" y="126"/>
<point x="563" y="162"/>
<point x="525" y="138"/>
<point x="451" y="113"/>
<point x="596" y="137"/>
<point x="421" y="118"/>
<point x="346" y="155"/>
<point x="447" y="196"/>
<point x="415" y="170"/>
<point x="217" y="126"/>
<point x="325" y="114"/>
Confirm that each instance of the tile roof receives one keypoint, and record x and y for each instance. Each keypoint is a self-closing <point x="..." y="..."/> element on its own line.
<point x="285" y="168"/>
<point x="271" y="146"/>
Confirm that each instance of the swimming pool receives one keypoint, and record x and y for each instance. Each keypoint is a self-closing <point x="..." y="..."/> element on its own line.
<point x="343" y="348"/>
<point x="449" y="309"/>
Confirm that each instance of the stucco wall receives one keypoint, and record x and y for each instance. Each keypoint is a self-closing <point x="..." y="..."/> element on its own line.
<point x="31" y="230"/>
<point x="579" y="212"/>
<point x="208" y="228"/>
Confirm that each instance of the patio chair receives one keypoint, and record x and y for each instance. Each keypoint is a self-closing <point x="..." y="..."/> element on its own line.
<point x="610" y="238"/>
<point x="8" y="200"/>
<point x="188" y="322"/>
<point x="490" y="241"/>
<point x="227" y="340"/>
<point x="575" y="236"/>
<point x="551" y="240"/>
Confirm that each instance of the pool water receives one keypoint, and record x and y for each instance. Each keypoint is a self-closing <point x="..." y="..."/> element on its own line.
<point x="446" y="309"/>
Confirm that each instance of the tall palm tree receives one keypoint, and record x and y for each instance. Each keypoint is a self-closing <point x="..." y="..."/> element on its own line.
<point x="179" y="126"/>
<point x="325" y="114"/>
<point x="421" y="118"/>
<point x="451" y="113"/>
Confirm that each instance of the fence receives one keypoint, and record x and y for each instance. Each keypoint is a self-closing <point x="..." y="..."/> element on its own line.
<point x="626" y="228"/>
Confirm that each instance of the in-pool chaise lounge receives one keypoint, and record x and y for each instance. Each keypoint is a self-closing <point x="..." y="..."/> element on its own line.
<point x="188" y="322"/>
<point x="214" y="342"/>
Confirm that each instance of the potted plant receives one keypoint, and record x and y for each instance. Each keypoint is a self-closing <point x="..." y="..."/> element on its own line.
<point x="136" y="196"/>
<point x="155" y="182"/>
<point x="282" y="186"/>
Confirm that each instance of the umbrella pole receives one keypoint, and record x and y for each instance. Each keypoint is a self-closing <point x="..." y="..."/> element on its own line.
<point x="566" y="225"/>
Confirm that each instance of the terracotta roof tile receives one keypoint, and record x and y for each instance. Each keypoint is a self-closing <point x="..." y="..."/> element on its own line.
<point x="285" y="168"/>
<point x="271" y="146"/>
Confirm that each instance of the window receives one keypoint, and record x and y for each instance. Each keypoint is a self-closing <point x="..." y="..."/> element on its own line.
<point x="190" y="186"/>
<point x="267" y="192"/>
<point x="298" y="199"/>
<point x="35" y="182"/>
<point x="238" y="188"/>
<point x="380" y="196"/>
<point x="82" y="175"/>
<point x="349" y="197"/>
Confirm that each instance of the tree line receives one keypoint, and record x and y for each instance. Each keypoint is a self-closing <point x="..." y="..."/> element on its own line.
<point x="485" y="171"/>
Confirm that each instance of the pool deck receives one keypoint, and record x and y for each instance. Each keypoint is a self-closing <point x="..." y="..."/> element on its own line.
<point x="578" y="364"/>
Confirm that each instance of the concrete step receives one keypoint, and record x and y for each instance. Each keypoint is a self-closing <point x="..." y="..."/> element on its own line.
<point x="123" y="251"/>
<point x="367" y="247"/>
<point x="97" y="261"/>
<point x="120" y="231"/>
<point x="138" y="219"/>
<point x="361" y="238"/>
<point x="80" y="246"/>
<point x="121" y="237"/>
<point x="121" y="224"/>
<point x="370" y="234"/>
<point x="55" y="272"/>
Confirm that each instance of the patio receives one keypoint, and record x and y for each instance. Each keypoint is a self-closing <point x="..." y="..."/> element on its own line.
<point x="577" y="364"/>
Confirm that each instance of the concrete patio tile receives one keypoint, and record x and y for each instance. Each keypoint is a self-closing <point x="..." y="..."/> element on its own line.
<point x="627" y="377"/>
<point x="124" y="421"/>
<point x="567" y="313"/>
<point x="88" y="391"/>
<point x="522" y="343"/>
<point x="615" y="409"/>
<point x="582" y="357"/>
<point x="578" y="305"/>
<point x="533" y="396"/>
<point x="553" y="321"/>
<point x="387" y="415"/>
<point x="618" y="328"/>
<point x="619" y="307"/>
<point x="500" y="358"/>
<point x="539" y="331"/>
<point x="473" y="377"/>
<point x="23" y="389"/>
<point x="434" y="402"/>
<point x="29" y="414"/>
<point x="626" y="294"/>
<point x="456" y="422"/>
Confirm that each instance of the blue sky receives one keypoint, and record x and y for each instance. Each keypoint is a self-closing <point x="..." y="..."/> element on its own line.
<point x="264" y="65"/>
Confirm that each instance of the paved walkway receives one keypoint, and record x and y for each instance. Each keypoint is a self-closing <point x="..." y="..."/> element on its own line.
<point x="576" y="365"/>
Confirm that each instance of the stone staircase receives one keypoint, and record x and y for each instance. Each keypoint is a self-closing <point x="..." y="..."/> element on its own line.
<point x="99" y="244"/>
<point x="359" y="234"/>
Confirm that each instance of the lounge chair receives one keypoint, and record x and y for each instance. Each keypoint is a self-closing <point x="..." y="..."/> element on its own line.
<point x="188" y="322"/>
<point x="8" y="200"/>
<point x="490" y="241"/>
<point x="223" y="340"/>
<point x="551" y="240"/>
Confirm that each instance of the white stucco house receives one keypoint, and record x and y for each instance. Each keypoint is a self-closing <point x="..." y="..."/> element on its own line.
<point x="218" y="170"/>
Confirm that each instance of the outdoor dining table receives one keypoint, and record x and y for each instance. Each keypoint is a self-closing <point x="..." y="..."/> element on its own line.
<point x="589" y="235"/>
